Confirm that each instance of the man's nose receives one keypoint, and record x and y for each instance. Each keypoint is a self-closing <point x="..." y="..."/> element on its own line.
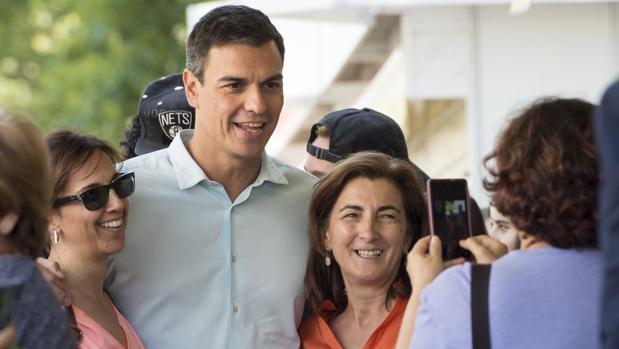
<point x="254" y="101"/>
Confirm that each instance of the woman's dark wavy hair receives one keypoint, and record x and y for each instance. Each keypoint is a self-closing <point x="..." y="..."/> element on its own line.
<point x="70" y="150"/>
<point x="545" y="173"/>
<point x="326" y="283"/>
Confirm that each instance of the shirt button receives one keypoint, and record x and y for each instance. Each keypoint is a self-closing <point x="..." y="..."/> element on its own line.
<point x="233" y="259"/>
<point x="235" y="308"/>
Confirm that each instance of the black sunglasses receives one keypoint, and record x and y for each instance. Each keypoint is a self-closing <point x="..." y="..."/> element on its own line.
<point x="96" y="197"/>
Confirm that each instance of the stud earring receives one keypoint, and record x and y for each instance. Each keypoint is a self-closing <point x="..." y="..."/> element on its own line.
<point x="327" y="260"/>
<point x="56" y="236"/>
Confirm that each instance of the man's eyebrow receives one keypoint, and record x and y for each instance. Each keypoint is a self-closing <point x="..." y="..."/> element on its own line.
<point x="232" y="79"/>
<point x="274" y="77"/>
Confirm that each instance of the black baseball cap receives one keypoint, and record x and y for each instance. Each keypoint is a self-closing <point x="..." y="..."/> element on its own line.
<point x="163" y="111"/>
<point x="354" y="130"/>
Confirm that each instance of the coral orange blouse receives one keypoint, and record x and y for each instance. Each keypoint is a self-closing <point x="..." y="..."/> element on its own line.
<point x="315" y="332"/>
<point x="94" y="336"/>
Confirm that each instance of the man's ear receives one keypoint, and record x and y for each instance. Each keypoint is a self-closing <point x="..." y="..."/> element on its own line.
<point x="8" y="222"/>
<point x="191" y="83"/>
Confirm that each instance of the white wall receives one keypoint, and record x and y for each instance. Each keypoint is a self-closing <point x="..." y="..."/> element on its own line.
<point x="500" y="62"/>
<point x="563" y="50"/>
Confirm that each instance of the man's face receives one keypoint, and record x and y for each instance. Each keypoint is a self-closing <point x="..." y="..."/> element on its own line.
<point x="315" y="166"/>
<point x="239" y="101"/>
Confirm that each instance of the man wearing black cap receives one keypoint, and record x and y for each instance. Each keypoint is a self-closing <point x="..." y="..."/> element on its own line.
<point x="348" y="131"/>
<point x="163" y="112"/>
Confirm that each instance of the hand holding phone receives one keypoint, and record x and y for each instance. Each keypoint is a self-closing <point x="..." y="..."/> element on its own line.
<point x="450" y="218"/>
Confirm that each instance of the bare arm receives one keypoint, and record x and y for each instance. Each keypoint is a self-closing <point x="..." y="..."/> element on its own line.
<point x="423" y="263"/>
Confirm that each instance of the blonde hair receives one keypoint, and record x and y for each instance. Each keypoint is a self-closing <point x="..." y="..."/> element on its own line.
<point x="25" y="182"/>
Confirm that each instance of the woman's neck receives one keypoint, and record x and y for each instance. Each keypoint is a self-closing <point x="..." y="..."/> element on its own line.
<point x="366" y="303"/>
<point x="84" y="274"/>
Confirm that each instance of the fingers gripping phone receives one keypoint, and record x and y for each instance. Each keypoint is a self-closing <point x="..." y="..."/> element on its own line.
<point x="450" y="215"/>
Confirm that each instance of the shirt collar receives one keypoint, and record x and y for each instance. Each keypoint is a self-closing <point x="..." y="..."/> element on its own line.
<point x="188" y="172"/>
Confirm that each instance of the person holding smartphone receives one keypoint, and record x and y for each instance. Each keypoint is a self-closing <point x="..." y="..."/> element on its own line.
<point x="87" y="225"/>
<point x="364" y="216"/>
<point x="30" y="315"/>
<point x="547" y="294"/>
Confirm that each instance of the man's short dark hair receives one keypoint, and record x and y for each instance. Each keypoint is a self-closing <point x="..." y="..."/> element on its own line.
<point x="229" y="25"/>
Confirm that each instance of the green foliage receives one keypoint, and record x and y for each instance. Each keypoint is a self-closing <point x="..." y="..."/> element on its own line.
<point x="83" y="64"/>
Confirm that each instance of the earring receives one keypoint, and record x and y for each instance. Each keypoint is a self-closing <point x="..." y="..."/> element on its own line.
<point x="327" y="260"/>
<point x="56" y="236"/>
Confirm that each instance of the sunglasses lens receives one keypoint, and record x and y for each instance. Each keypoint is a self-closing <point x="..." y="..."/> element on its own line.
<point x="124" y="186"/>
<point x="95" y="198"/>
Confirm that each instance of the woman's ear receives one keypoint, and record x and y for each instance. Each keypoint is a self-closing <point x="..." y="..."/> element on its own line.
<point x="8" y="222"/>
<point x="54" y="221"/>
<point x="326" y="243"/>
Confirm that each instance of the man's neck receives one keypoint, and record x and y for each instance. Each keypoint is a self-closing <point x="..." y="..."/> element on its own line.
<point x="234" y="174"/>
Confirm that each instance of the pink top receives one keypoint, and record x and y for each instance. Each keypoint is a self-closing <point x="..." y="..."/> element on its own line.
<point x="94" y="336"/>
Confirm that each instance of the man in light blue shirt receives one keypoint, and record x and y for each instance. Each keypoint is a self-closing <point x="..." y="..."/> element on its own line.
<point x="216" y="240"/>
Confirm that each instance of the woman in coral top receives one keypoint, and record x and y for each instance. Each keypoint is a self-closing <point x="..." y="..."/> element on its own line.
<point x="364" y="216"/>
<point x="86" y="226"/>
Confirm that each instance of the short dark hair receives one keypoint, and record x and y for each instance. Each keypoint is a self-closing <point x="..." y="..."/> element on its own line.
<point x="69" y="151"/>
<point x="225" y="25"/>
<point x="326" y="283"/>
<point x="25" y="182"/>
<point x="545" y="175"/>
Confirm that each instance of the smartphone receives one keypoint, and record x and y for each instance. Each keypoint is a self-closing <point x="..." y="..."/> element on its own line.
<point x="450" y="214"/>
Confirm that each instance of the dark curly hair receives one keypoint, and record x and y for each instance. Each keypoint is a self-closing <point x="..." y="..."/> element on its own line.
<point x="326" y="283"/>
<point x="132" y="134"/>
<point x="545" y="173"/>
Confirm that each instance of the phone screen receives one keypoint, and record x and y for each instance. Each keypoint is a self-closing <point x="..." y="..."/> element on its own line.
<point x="449" y="215"/>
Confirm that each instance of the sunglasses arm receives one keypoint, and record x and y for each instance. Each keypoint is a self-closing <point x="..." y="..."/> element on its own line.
<point x="65" y="200"/>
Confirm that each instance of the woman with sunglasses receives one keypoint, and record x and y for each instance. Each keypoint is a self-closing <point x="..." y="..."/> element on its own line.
<point x="86" y="226"/>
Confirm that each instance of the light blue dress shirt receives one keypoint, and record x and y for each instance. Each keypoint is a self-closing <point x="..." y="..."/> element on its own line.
<point x="200" y="271"/>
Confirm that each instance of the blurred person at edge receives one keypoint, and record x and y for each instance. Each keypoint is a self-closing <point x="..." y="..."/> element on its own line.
<point x="607" y="129"/>
<point x="501" y="228"/>
<point x="344" y="132"/>
<point x="163" y="111"/>
<point x="547" y="294"/>
<point x="364" y="216"/>
<point x="204" y="265"/>
<point x="86" y="226"/>
<point x="37" y="320"/>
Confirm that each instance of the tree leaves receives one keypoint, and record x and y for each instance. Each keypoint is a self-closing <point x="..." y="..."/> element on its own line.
<point x="83" y="64"/>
